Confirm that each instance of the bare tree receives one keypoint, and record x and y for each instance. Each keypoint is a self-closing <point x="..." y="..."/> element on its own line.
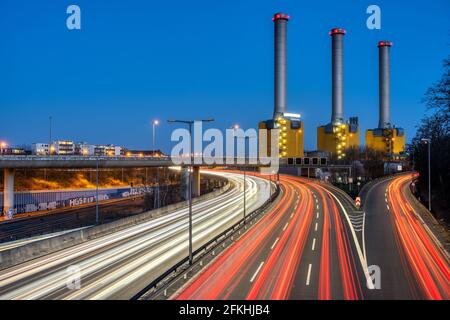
<point x="436" y="127"/>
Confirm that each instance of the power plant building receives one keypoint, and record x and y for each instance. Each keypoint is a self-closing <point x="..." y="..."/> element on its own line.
<point x="338" y="135"/>
<point x="288" y="125"/>
<point x="386" y="138"/>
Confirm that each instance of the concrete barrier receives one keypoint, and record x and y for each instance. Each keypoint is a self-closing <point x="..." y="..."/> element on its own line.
<point x="33" y="250"/>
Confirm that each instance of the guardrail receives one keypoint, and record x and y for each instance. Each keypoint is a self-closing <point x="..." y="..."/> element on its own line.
<point x="17" y="162"/>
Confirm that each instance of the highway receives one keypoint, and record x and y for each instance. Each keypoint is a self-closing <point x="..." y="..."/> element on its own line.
<point x="412" y="262"/>
<point x="313" y="246"/>
<point x="120" y="265"/>
<point x="305" y="248"/>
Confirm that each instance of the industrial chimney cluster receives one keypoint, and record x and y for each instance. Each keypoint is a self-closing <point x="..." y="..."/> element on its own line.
<point x="340" y="134"/>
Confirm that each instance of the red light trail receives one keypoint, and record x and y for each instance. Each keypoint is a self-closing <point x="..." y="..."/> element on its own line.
<point x="274" y="269"/>
<point x="429" y="264"/>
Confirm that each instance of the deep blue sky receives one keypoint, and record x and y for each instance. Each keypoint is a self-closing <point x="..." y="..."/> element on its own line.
<point x="134" y="61"/>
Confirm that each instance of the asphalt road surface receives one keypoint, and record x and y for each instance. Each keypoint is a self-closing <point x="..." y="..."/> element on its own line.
<point x="412" y="262"/>
<point x="313" y="245"/>
<point x="120" y="265"/>
<point x="303" y="249"/>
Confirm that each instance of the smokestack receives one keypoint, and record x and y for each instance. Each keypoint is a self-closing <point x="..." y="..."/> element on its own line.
<point x="280" y="102"/>
<point x="337" y="36"/>
<point x="385" y="84"/>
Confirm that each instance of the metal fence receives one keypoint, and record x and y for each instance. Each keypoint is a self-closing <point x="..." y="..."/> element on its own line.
<point x="32" y="201"/>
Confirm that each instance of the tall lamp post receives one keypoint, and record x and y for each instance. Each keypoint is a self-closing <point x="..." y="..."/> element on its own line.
<point x="97" y="211"/>
<point x="428" y="143"/>
<point x="191" y="167"/>
<point x="156" y="198"/>
<point x="236" y="127"/>
<point x="154" y="124"/>
<point x="50" y="123"/>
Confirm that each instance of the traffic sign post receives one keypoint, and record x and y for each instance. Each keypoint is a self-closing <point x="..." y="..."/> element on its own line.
<point x="358" y="202"/>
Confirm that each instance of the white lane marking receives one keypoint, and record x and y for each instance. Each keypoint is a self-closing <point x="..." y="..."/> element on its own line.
<point x="313" y="244"/>
<point x="362" y="259"/>
<point x="315" y="229"/>
<point x="317" y="201"/>
<point x="256" y="273"/>
<point x="285" y="226"/>
<point x="363" y="235"/>
<point x="388" y="207"/>
<point x="317" y="207"/>
<point x="386" y="200"/>
<point x="317" y="214"/>
<point x="309" y="274"/>
<point x="292" y="215"/>
<point x="274" y="244"/>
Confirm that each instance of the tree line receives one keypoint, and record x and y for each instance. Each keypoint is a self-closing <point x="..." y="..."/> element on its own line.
<point x="436" y="127"/>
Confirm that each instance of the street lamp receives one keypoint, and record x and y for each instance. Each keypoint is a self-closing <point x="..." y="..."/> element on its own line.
<point x="3" y="146"/>
<point x="190" y="123"/>
<point x="154" y="124"/>
<point x="50" y="123"/>
<point x="236" y="127"/>
<point x="428" y="143"/>
<point x="97" y="211"/>
<point x="156" y="197"/>
<point x="52" y="149"/>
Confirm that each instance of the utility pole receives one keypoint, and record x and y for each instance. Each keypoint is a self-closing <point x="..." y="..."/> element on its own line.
<point x="428" y="143"/>
<point x="97" y="213"/>
<point x="236" y="127"/>
<point x="50" y="136"/>
<point x="191" y="169"/>
<point x="270" y="184"/>
<point x="245" y="195"/>
<point x="154" y="124"/>
<point x="156" y="197"/>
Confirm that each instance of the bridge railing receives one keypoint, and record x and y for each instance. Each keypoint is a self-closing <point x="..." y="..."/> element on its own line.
<point x="68" y="160"/>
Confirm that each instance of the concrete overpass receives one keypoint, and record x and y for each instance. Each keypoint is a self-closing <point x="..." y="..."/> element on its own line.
<point x="11" y="163"/>
<point x="80" y="162"/>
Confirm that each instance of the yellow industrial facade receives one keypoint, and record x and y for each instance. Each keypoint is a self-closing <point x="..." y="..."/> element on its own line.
<point x="335" y="139"/>
<point x="388" y="141"/>
<point x="290" y="140"/>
